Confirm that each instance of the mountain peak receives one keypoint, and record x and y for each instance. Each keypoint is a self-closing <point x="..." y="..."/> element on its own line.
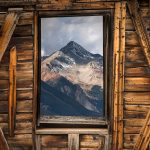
<point x="75" y="48"/>
<point x="78" y="53"/>
<point x="72" y="43"/>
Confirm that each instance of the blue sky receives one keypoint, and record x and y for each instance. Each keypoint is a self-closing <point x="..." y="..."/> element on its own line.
<point x="86" y="31"/>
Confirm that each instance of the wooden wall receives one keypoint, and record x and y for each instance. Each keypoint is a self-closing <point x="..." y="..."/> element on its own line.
<point x="23" y="39"/>
<point x="137" y="82"/>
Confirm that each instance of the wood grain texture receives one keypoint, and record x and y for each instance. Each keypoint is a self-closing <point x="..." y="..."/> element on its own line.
<point x="115" y="69"/>
<point x="12" y="91"/>
<point x="67" y="5"/>
<point x="143" y="138"/>
<point x="7" y="31"/>
<point x="3" y="142"/>
<point x="35" y="81"/>
<point x="94" y="141"/>
<point x="54" y="141"/>
<point x="121" y="75"/>
<point x="119" y="59"/>
<point x="73" y="141"/>
<point x="140" y="28"/>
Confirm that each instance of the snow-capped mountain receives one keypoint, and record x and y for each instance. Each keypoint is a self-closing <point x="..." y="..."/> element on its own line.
<point x="77" y="74"/>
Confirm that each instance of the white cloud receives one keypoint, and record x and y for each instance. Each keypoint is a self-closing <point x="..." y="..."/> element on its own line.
<point x="87" y="31"/>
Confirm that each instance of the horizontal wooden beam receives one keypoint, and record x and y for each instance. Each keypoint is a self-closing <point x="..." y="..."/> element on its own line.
<point x="103" y="132"/>
<point x="8" y="3"/>
<point x="7" y="30"/>
<point x="75" y="6"/>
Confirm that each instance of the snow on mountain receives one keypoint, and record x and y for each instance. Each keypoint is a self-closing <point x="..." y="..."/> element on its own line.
<point x="76" y="73"/>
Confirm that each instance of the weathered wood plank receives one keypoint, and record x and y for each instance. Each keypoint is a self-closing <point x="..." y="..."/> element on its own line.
<point x="26" y="18"/>
<point x="54" y="141"/>
<point x="73" y="141"/>
<point x="3" y="142"/>
<point x="134" y="122"/>
<point x="12" y="91"/>
<point x="143" y="138"/>
<point x="140" y="28"/>
<point x="137" y="84"/>
<point x="20" y="117"/>
<point x="26" y="94"/>
<point x="11" y="3"/>
<point x="131" y="39"/>
<point x="130" y="25"/>
<point x="4" y="107"/>
<point x="92" y="141"/>
<point x="134" y="54"/>
<point x="101" y="131"/>
<point x="75" y="6"/>
<point x="25" y="55"/>
<point x="2" y="18"/>
<point x="134" y="98"/>
<point x="22" y="106"/>
<point x="137" y="72"/>
<point x="121" y="75"/>
<point x="22" y="43"/>
<point x="23" y="30"/>
<point x="132" y="130"/>
<point x="128" y="145"/>
<point x="137" y="108"/>
<point x="20" y="140"/>
<point x="130" y="137"/>
<point x="134" y="114"/>
<point x="3" y="95"/>
<point x="21" y="147"/>
<point x="7" y="31"/>
<point x="3" y="118"/>
<point x="21" y="128"/>
<point x="35" y="80"/>
<point x="116" y="74"/>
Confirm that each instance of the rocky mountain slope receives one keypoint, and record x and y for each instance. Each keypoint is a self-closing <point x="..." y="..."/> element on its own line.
<point x="78" y="75"/>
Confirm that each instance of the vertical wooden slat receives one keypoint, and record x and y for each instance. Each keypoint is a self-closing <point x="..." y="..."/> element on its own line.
<point x="121" y="74"/>
<point x="12" y="91"/>
<point x="38" y="142"/>
<point x="115" y="68"/>
<point x="73" y="141"/>
<point x="7" y="30"/>
<point x="35" y="79"/>
<point x="118" y="65"/>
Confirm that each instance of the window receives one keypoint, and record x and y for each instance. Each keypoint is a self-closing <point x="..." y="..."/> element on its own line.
<point x="72" y="69"/>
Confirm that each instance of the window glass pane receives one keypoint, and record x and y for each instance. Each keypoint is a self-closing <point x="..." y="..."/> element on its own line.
<point x="72" y="67"/>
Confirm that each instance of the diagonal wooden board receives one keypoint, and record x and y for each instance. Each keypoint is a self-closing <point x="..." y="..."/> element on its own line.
<point x="140" y="28"/>
<point x="7" y="30"/>
<point x="143" y="138"/>
<point x="3" y="142"/>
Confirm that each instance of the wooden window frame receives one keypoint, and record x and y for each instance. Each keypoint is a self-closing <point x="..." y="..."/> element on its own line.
<point x="108" y="52"/>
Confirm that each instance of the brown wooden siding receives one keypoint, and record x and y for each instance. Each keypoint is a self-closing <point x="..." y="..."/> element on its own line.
<point x="137" y="81"/>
